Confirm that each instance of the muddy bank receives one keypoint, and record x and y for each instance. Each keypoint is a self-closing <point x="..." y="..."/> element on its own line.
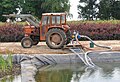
<point x="42" y="48"/>
<point x="14" y="71"/>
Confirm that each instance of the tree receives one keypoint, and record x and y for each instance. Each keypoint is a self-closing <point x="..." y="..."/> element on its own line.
<point x="115" y="10"/>
<point x="6" y="6"/>
<point x="109" y="9"/>
<point x="105" y="9"/>
<point x="88" y="9"/>
<point x="34" y="7"/>
<point x="57" y="5"/>
<point x="50" y="6"/>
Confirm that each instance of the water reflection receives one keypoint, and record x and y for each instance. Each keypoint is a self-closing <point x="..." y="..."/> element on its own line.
<point x="109" y="72"/>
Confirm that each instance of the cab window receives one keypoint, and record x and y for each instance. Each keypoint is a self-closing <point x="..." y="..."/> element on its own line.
<point x="63" y="19"/>
<point x="55" y="19"/>
<point x="58" y="19"/>
<point x="46" y="20"/>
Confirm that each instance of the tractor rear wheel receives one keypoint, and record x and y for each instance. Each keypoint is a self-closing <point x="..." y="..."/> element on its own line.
<point x="55" y="38"/>
<point x="26" y="42"/>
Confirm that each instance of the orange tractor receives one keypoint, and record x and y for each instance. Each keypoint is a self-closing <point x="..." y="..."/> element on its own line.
<point x="52" y="28"/>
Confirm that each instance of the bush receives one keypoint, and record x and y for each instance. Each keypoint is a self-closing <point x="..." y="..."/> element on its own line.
<point x="97" y="31"/>
<point x="11" y="33"/>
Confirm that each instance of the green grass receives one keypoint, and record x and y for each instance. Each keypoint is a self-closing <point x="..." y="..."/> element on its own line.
<point x="76" y="22"/>
<point x="19" y="23"/>
<point x="2" y="23"/>
<point x="6" y="63"/>
<point x="3" y="64"/>
<point x="96" y="22"/>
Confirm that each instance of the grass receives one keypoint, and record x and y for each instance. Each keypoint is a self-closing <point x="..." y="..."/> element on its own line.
<point x="76" y="22"/>
<point x="96" y="21"/>
<point x="6" y="63"/>
<point x="18" y="23"/>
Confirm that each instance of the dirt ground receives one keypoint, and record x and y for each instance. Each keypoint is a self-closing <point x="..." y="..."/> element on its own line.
<point x="41" y="48"/>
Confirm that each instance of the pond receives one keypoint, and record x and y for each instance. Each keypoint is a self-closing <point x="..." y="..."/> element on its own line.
<point x="107" y="72"/>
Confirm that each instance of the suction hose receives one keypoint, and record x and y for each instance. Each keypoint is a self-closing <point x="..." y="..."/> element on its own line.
<point x="87" y="58"/>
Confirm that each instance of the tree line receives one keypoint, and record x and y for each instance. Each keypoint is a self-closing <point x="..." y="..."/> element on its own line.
<point x="99" y="9"/>
<point x="34" y="7"/>
<point x="87" y="9"/>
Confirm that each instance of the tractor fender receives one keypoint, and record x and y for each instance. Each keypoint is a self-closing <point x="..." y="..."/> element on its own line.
<point x="62" y="27"/>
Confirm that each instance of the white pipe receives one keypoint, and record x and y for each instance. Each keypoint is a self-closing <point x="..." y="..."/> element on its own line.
<point x="80" y="57"/>
<point x="91" y="64"/>
<point x="88" y="60"/>
<point x="108" y="47"/>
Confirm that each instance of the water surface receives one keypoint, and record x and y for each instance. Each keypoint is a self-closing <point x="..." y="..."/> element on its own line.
<point x="108" y="72"/>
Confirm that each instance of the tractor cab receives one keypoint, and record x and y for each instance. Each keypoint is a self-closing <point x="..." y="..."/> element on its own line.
<point x="51" y="20"/>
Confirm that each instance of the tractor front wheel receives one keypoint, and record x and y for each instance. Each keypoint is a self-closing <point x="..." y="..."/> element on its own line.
<point x="55" y="38"/>
<point x="35" y="42"/>
<point x="26" y="42"/>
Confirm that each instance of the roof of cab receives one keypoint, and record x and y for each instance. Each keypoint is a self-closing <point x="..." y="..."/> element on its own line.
<point x="53" y="13"/>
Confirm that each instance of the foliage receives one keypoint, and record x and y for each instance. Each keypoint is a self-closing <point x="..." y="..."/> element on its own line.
<point x="88" y="10"/>
<point x="11" y="33"/>
<point x="34" y="7"/>
<point x="6" y="63"/>
<point x="58" y="6"/>
<point x="97" y="31"/>
<point x="4" y="5"/>
<point x="9" y="61"/>
<point x="116" y="10"/>
<point x="102" y="9"/>
<point x="105" y="9"/>
<point x="3" y="64"/>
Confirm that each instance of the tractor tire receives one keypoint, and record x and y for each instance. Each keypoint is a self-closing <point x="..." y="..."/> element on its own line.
<point x="55" y="38"/>
<point x="35" y="39"/>
<point x="35" y="42"/>
<point x="69" y="37"/>
<point x="26" y="42"/>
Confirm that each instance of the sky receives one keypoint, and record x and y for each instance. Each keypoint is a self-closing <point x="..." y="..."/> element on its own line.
<point x="73" y="9"/>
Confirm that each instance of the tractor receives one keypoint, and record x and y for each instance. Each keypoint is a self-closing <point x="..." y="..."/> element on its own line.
<point x="52" y="28"/>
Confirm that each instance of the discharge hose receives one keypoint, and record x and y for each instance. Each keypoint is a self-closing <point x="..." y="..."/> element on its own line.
<point x="108" y="47"/>
<point x="88" y="60"/>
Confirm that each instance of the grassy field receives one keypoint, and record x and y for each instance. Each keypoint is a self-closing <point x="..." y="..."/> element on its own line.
<point x="76" y="22"/>
<point x="97" y="21"/>
<point x="19" y="23"/>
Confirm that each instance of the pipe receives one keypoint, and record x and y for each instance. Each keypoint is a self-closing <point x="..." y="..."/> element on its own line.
<point x="87" y="60"/>
<point x="108" y="47"/>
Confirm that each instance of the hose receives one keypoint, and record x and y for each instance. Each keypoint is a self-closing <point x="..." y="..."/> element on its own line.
<point x="87" y="60"/>
<point x="108" y="47"/>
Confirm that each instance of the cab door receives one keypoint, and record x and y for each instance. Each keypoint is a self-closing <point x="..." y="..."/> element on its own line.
<point x="44" y="27"/>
